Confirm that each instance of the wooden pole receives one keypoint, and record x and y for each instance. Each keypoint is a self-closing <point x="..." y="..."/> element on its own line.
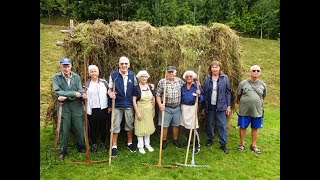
<point x="58" y="125"/>
<point x="162" y="118"/>
<point x="112" y="122"/>
<point x="87" y="160"/>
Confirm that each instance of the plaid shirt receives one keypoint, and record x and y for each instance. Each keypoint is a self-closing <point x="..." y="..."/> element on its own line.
<point x="173" y="91"/>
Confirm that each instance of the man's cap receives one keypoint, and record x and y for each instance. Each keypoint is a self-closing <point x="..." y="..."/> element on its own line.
<point x="65" y="61"/>
<point x="171" y="68"/>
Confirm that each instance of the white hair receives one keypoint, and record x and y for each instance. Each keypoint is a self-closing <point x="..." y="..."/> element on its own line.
<point x="142" y="72"/>
<point x="123" y="58"/>
<point x="255" y="66"/>
<point x="190" y="72"/>
<point x="93" y="67"/>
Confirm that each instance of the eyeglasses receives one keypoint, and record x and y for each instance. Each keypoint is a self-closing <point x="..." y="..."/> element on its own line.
<point x="124" y="63"/>
<point x="255" y="70"/>
<point x="188" y="76"/>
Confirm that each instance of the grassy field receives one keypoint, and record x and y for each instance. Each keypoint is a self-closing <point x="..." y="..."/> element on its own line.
<point x="236" y="165"/>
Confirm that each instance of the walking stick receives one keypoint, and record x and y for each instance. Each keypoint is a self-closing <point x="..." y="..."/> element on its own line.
<point x="87" y="160"/>
<point x="195" y="116"/>
<point x="58" y="125"/>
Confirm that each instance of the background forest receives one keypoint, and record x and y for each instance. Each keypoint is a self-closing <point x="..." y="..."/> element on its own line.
<point x="250" y="18"/>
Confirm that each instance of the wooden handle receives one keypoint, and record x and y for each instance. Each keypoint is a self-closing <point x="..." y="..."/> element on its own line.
<point x="162" y="118"/>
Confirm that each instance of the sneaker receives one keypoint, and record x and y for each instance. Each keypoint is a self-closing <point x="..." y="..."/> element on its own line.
<point x="197" y="149"/>
<point x="114" y="152"/>
<point x="150" y="149"/>
<point x="224" y="148"/>
<point x="131" y="148"/>
<point x="176" y="143"/>
<point x="209" y="143"/>
<point x="164" y="144"/>
<point x="141" y="150"/>
<point x="94" y="148"/>
<point x="61" y="156"/>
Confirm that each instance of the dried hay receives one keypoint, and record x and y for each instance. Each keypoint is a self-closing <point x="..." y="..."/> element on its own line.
<point x="153" y="49"/>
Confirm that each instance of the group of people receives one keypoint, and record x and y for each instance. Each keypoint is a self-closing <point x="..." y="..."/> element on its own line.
<point x="178" y="100"/>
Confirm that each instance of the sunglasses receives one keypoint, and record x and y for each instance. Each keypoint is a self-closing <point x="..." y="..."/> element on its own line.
<point x="124" y="63"/>
<point x="255" y="70"/>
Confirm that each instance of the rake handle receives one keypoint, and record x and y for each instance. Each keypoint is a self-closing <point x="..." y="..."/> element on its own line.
<point x="162" y="120"/>
<point x="58" y="125"/>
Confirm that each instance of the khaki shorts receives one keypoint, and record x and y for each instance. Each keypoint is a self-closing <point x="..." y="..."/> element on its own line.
<point x="118" y="116"/>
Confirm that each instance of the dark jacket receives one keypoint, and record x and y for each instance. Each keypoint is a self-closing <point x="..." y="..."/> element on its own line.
<point x="223" y="92"/>
<point x="123" y="100"/>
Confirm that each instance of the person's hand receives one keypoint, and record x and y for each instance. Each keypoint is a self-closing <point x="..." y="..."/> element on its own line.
<point x="152" y="86"/>
<point x="139" y="116"/>
<point x="84" y="96"/>
<point x="198" y="92"/>
<point x="112" y="94"/>
<point x="62" y="98"/>
<point x="228" y="111"/>
<point x="162" y="107"/>
<point x="203" y="112"/>
<point x="78" y="95"/>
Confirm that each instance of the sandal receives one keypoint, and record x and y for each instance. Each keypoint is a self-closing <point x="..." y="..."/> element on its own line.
<point x="255" y="149"/>
<point x="241" y="147"/>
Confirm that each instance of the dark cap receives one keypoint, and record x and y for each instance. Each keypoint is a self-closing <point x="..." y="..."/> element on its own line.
<point x="171" y="68"/>
<point x="65" y="61"/>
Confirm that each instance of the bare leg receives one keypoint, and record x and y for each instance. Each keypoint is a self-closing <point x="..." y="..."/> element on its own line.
<point x="175" y="132"/>
<point x="242" y="132"/>
<point x="254" y="134"/>
<point x="114" y="139"/>
<point x="129" y="135"/>
<point x="165" y="133"/>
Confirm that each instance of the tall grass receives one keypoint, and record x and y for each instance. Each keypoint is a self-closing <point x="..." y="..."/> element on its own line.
<point x="235" y="165"/>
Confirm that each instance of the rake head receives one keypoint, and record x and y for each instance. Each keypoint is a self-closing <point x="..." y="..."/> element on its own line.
<point x="160" y="166"/>
<point x="192" y="165"/>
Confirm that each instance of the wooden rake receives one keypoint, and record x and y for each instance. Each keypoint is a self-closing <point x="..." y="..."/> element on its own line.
<point x="87" y="160"/>
<point x="161" y="133"/>
<point x="194" y="123"/>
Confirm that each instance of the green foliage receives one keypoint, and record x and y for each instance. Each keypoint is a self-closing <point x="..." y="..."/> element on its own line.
<point x="251" y="18"/>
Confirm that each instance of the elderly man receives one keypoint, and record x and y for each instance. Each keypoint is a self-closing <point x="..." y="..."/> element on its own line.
<point x="68" y="89"/>
<point x="171" y="107"/>
<point x="250" y="95"/>
<point x="125" y="81"/>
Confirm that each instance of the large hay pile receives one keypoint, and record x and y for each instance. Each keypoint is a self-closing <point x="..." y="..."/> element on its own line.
<point x="153" y="49"/>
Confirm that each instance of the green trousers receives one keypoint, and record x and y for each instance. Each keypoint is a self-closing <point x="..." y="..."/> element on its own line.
<point x="72" y="117"/>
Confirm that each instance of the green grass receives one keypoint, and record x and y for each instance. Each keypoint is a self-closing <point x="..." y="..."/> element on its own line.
<point x="244" y="165"/>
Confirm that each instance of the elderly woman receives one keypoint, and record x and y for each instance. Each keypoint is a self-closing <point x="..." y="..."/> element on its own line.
<point x="97" y="108"/>
<point x="144" y="104"/>
<point x="188" y="118"/>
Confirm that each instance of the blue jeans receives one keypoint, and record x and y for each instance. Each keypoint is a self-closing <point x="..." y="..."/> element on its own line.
<point x="218" y="118"/>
